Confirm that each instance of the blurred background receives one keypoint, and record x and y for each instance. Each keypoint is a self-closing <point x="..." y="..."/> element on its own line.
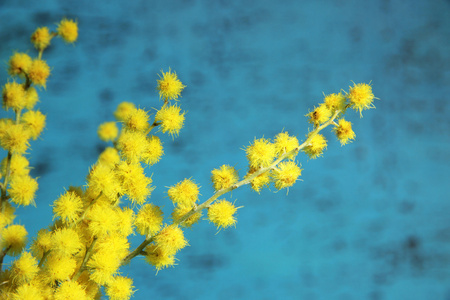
<point x="370" y="220"/>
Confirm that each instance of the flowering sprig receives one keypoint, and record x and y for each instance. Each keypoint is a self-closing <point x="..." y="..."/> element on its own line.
<point x="88" y="242"/>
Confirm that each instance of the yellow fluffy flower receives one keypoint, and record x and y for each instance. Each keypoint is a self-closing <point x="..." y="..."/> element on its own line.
<point x="137" y="120"/>
<point x="15" y="138"/>
<point x="19" y="64"/>
<point x="260" y="181"/>
<point x="158" y="258"/>
<point x="70" y="290"/>
<point x="38" y="72"/>
<point x="120" y="288"/>
<point x="285" y="174"/>
<point x="103" y="219"/>
<point x="285" y="143"/>
<point x="13" y="238"/>
<point x="154" y="151"/>
<point x="124" y="109"/>
<point x="102" y="179"/>
<point x="224" y="177"/>
<point x="108" y="131"/>
<point x="344" y="131"/>
<point x="316" y="146"/>
<point x="184" y="193"/>
<point x="132" y="145"/>
<point x="66" y="241"/>
<point x="319" y="115"/>
<point x="41" y="38"/>
<point x="149" y="219"/>
<point x="22" y="190"/>
<point x="31" y="98"/>
<point x="125" y="221"/>
<point x="109" y="157"/>
<point x="6" y="215"/>
<point x="27" y="292"/>
<point x="103" y="266"/>
<point x="42" y="243"/>
<point x="169" y="86"/>
<point x="68" y="30"/>
<point x="261" y="153"/>
<point x="19" y="166"/>
<point x="35" y="121"/>
<point x="361" y="97"/>
<point x="335" y="102"/>
<point x="170" y="239"/>
<point x="221" y="213"/>
<point x="114" y="242"/>
<point x="68" y="207"/>
<point x="59" y="267"/>
<point x="13" y="96"/>
<point x="171" y="119"/>
<point x="135" y="184"/>
<point x="24" y="269"/>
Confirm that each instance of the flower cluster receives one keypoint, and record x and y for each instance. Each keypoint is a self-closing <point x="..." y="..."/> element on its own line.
<point x="80" y="255"/>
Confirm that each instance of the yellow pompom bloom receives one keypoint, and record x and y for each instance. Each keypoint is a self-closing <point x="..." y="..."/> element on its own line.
<point x="120" y="288"/>
<point x="169" y="86"/>
<point x="15" y="138"/>
<point x="180" y="211"/>
<point x="261" y="153"/>
<point x="19" y="64"/>
<point x="260" y="181"/>
<point x="344" y="131"/>
<point x="335" y="102"/>
<point x="19" y="166"/>
<point x="137" y="120"/>
<point x="154" y="151"/>
<point x="361" y="97"/>
<point x="31" y="98"/>
<point x="170" y="239"/>
<point x="221" y="213"/>
<point x="42" y="243"/>
<point x="184" y="193"/>
<point x="113" y="242"/>
<point x="59" y="267"/>
<point x="27" y="292"/>
<point x="102" y="220"/>
<point x="6" y="215"/>
<point x="109" y="157"/>
<point x="108" y="131"/>
<point x="22" y="190"/>
<point x="35" y="122"/>
<point x="316" y="146"/>
<point x="135" y="184"/>
<point x="103" y="266"/>
<point x="66" y="242"/>
<point x="68" y="207"/>
<point x="102" y="179"/>
<point x="224" y="177"/>
<point x="319" y="115"/>
<point x="39" y="72"/>
<point x="68" y="30"/>
<point x="14" y="238"/>
<point x="24" y="269"/>
<point x="149" y="219"/>
<point x="41" y="38"/>
<point x="158" y="258"/>
<point x="132" y="145"/>
<point x="286" y="174"/>
<point x="13" y="96"/>
<point x="124" y="110"/>
<point x="285" y="143"/>
<point x="70" y="290"/>
<point x="171" y="119"/>
<point x="125" y="221"/>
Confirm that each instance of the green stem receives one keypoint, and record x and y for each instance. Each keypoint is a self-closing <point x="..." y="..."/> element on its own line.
<point x="87" y="255"/>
